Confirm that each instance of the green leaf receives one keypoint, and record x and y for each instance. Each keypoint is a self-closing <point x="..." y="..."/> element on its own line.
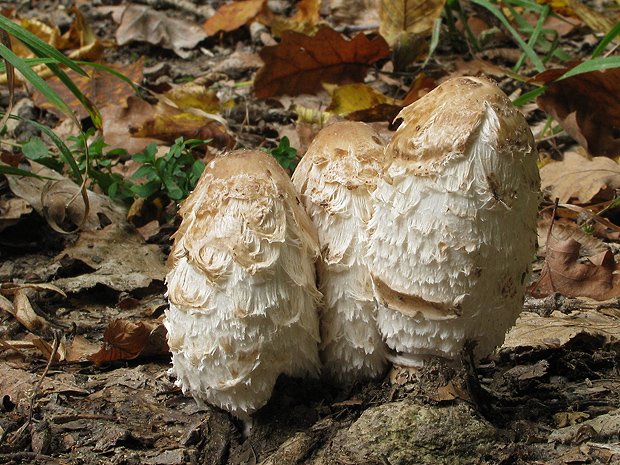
<point x="146" y="189"/>
<point x="144" y="170"/>
<point x="35" y="149"/>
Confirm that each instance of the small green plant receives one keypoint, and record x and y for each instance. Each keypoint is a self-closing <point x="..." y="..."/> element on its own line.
<point x="284" y="154"/>
<point x="175" y="174"/>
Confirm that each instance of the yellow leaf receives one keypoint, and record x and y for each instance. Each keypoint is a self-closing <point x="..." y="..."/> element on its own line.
<point x="353" y="97"/>
<point x="311" y="116"/>
<point x="192" y="95"/>
<point x="598" y="22"/>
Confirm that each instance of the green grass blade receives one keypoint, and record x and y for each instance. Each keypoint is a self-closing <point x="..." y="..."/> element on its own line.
<point x="6" y="169"/>
<point x="85" y="101"/>
<point x="538" y="64"/>
<point x="528" y="96"/>
<point x="65" y="153"/>
<point x="435" y="37"/>
<point x="598" y="64"/>
<point x="36" y="81"/>
<point x="39" y="47"/>
<point x="609" y="37"/>
<point x="535" y="34"/>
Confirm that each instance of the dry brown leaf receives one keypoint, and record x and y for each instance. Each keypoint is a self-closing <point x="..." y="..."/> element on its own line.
<point x="580" y="177"/>
<point x="363" y="13"/>
<point x="117" y="119"/>
<point x="305" y="20"/>
<point x="598" y="22"/>
<point x="111" y="254"/>
<point x="141" y="23"/>
<point x="562" y="273"/>
<point x="300" y="64"/>
<point x="409" y="16"/>
<point x="556" y="330"/>
<point x="232" y="16"/>
<point x="22" y="309"/>
<point x="166" y="123"/>
<point x="586" y="105"/>
<point x="56" y="201"/>
<point x="126" y="340"/>
<point x="101" y="88"/>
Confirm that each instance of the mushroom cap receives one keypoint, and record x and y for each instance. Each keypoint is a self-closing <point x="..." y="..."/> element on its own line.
<point x="440" y="125"/>
<point x="335" y="179"/>
<point x="454" y="223"/>
<point x="242" y="286"/>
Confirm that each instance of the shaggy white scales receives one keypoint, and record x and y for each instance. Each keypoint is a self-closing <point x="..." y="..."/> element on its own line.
<point x="454" y="226"/>
<point x="242" y="286"/>
<point x="335" y="178"/>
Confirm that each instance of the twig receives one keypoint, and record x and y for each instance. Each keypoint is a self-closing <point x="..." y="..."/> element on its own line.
<point x="204" y="11"/>
<point x="23" y="456"/>
<point x="37" y="387"/>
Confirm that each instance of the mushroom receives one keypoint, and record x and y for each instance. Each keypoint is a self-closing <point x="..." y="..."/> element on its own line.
<point x="242" y="286"/>
<point x="335" y="178"/>
<point x="454" y="226"/>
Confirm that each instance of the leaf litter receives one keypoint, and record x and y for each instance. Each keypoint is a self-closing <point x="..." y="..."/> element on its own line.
<point x="549" y="395"/>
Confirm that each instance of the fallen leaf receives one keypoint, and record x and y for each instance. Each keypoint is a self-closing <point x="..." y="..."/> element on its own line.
<point x="232" y="16"/>
<point x="363" y="13"/>
<point x="101" y="88"/>
<point x="167" y="124"/>
<point x="117" y="119"/>
<point x="587" y="106"/>
<point x="126" y="340"/>
<point x="558" y="329"/>
<point x="408" y="16"/>
<point x="111" y="255"/>
<point x="56" y="201"/>
<point x="562" y="273"/>
<point x="141" y="23"/>
<point x="305" y="20"/>
<point x="193" y="95"/>
<point x="598" y="22"/>
<point x="580" y="177"/>
<point x="300" y="64"/>
<point x="353" y="97"/>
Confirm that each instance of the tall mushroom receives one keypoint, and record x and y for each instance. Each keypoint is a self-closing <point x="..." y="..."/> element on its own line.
<point x="454" y="226"/>
<point x="335" y="178"/>
<point x="242" y="286"/>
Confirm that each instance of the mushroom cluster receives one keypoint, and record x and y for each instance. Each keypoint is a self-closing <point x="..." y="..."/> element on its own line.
<point x="421" y="246"/>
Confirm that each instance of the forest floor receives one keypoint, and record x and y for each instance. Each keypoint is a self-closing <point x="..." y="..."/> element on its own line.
<point x="550" y="395"/>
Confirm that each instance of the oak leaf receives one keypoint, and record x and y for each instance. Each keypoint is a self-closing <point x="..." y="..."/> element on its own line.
<point x="300" y="64"/>
<point x="126" y="340"/>
<point x="578" y="176"/>
<point x="599" y="279"/>
<point x="587" y="106"/>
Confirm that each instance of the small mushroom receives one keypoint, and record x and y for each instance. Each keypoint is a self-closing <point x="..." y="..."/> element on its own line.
<point x="335" y="178"/>
<point x="453" y="231"/>
<point x="242" y="286"/>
